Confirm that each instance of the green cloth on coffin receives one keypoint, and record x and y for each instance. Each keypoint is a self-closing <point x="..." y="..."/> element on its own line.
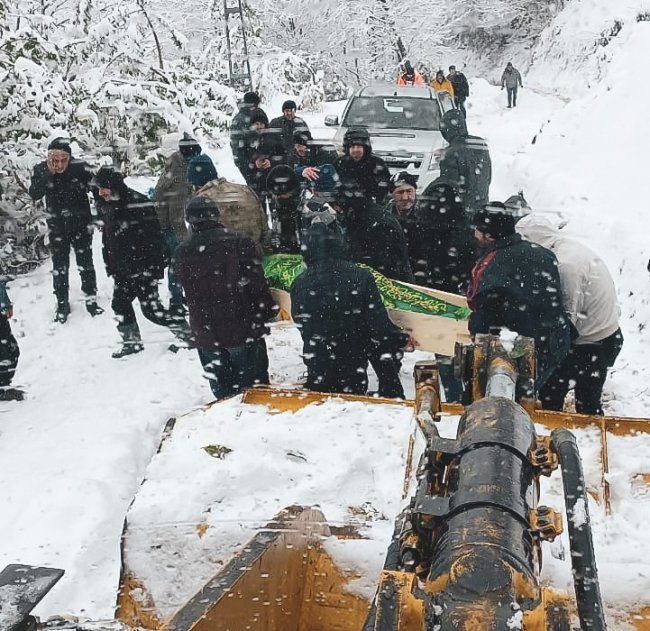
<point x="282" y="269"/>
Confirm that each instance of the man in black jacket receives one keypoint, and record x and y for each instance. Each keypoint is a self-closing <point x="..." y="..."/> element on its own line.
<point x="65" y="184"/>
<point x="307" y="155"/>
<point x="241" y="124"/>
<point x="228" y="299"/>
<point x="374" y="237"/>
<point x="286" y="125"/>
<point x="466" y="162"/>
<point x="461" y="88"/>
<point x="402" y="205"/>
<point x="442" y="249"/>
<point x="361" y="166"/>
<point x="133" y="249"/>
<point x="341" y="318"/>
<point x="516" y="285"/>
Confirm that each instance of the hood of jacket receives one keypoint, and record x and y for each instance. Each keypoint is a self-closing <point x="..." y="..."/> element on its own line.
<point x="322" y="243"/>
<point x="453" y="125"/>
<point x="538" y="229"/>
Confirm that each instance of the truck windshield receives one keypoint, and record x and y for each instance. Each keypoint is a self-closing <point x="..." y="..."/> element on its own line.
<point x="393" y="113"/>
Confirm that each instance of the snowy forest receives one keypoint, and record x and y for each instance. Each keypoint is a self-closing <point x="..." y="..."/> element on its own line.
<point x="116" y="76"/>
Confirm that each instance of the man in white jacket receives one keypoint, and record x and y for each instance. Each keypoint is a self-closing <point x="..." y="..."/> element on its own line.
<point x="589" y="298"/>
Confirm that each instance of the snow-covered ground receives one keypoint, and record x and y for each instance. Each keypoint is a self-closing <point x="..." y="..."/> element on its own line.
<point x="73" y="454"/>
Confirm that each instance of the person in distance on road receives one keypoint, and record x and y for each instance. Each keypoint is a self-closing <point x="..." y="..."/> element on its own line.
<point x="511" y="80"/>
<point x="440" y="84"/>
<point x="461" y="88"/>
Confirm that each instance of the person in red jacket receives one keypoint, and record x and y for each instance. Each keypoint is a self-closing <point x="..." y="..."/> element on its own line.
<point x="410" y="76"/>
<point x="228" y="300"/>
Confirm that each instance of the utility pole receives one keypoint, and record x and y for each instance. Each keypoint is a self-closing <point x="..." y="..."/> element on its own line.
<point x="239" y="68"/>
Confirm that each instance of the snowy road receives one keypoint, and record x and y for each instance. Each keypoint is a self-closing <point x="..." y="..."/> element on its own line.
<point x="74" y="452"/>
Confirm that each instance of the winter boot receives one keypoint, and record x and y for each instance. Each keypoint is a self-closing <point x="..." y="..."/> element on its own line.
<point x="62" y="310"/>
<point x="11" y="394"/>
<point x="131" y="340"/>
<point x="183" y="334"/>
<point x="177" y="310"/>
<point x="92" y="307"/>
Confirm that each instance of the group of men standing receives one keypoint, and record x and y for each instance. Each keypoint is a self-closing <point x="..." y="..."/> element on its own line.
<point x="336" y="211"/>
<point x="457" y="86"/>
<point x="455" y="83"/>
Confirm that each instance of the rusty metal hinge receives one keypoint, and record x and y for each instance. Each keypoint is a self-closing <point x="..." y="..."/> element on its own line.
<point x="542" y="456"/>
<point x="546" y="522"/>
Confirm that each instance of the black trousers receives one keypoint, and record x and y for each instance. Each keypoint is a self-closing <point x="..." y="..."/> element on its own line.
<point x="81" y="241"/>
<point x="232" y="369"/>
<point x="387" y="367"/>
<point x="9" y="352"/>
<point x="585" y="370"/>
<point x="145" y="289"/>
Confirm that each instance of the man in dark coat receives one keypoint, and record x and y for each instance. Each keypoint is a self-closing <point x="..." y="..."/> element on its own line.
<point x="466" y="162"/>
<point x="461" y="88"/>
<point x="268" y="154"/>
<point x="241" y="124"/>
<point x="170" y="195"/>
<point x="65" y="184"/>
<point x="374" y="237"/>
<point x="402" y="204"/>
<point x="286" y="125"/>
<point x="133" y="249"/>
<point x="361" y="166"/>
<point x="341" y="318"/>
<point x="443" y="248"/>
<point x="228" y="298"/>
<point x="516" y="285"/>
<point x="248" y="141"/>
<point x="306" y="155"/>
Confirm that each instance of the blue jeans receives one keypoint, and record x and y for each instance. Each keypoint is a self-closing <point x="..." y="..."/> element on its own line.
<point x="512" y="96"/>
<point x="174" y="285"/>
<point x="232" y="369"/>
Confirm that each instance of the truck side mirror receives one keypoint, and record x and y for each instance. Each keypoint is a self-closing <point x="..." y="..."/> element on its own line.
<point x="331" y="121"/>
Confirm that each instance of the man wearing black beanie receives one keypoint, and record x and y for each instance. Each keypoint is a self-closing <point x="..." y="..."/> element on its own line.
<point x="65" y="183"/>
<point x="515" y="285"/>
<point x="240" y="126"/>
<point x="288" y="124"/>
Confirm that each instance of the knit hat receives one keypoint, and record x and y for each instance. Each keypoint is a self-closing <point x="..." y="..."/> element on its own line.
<point x="356" y="136"/>
<point x="201" y="170"/>
<point x="302" y="137"/>
<point x="252" y="98"/>
<point x="289" y="105"/>
<point x="109" y="177"/>
<point x="189" y="147"/>
<point x="403" y="178"/>
<point x="327" y="180"/>
<point x="60" y="144"/>
<point x="257" y="115"/>
<point x="495" y="220"/>
<point x="201" y="209"/>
